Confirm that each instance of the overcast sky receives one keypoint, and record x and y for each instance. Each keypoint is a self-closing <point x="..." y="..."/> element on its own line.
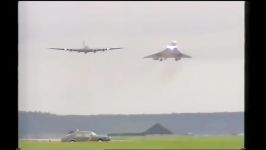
<point x="121" y="81"/>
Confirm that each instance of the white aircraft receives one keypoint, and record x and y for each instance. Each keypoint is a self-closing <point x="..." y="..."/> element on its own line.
<point x="85" y="49"/>
<point x="171" y="51"/>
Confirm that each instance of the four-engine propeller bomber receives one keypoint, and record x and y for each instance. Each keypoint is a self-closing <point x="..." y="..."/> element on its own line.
<point x="171" y="51"/>
<point x="86" y="49"/>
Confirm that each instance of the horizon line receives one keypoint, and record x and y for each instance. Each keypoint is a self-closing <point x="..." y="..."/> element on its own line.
<point x="36" y="111"/>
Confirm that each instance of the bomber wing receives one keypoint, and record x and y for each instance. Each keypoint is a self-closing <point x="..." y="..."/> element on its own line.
<point x="58" y="48"/>
<point x="66" y="49"/>
<point x="104" y="49"/>
<point x="115" y="48"/>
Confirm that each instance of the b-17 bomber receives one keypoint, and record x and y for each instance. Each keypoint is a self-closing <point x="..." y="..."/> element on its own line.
<point x="86" y="49"/>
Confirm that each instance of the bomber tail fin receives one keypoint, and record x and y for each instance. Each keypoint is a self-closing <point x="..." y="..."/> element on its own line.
<point x="84" y="45"/>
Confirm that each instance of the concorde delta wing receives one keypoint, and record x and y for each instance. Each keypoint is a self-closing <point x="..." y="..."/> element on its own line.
<point x="154" y="56"/>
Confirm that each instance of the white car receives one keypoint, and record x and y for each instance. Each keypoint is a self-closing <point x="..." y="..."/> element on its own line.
<point x="78" y="136"/>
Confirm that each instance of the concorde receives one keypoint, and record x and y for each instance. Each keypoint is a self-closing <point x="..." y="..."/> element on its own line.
<point x="171" y="51"/>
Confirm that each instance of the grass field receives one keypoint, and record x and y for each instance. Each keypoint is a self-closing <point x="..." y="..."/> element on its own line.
<point x="143" y="142"/>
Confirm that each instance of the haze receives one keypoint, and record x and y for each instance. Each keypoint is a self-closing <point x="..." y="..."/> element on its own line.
<point x="121" y="81"/>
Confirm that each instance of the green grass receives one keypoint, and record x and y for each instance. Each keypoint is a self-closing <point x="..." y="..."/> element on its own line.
<point x="148" y="142"/>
